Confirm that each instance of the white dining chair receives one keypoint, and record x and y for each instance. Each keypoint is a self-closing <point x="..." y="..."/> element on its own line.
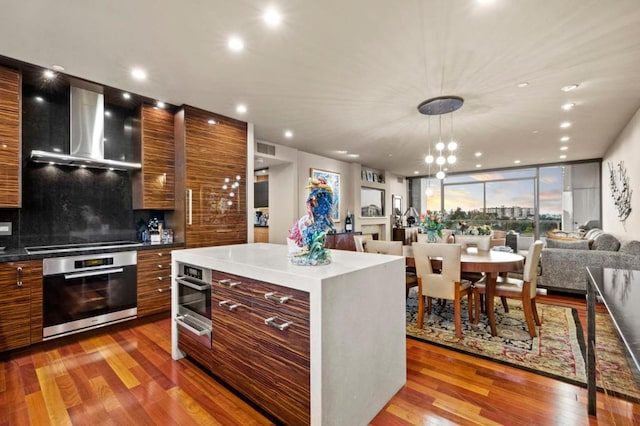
<point x="394" y="248"/>
<point x="481" y="242"/>
<point x="445" y="285"/>
<point x="361" y="240"/>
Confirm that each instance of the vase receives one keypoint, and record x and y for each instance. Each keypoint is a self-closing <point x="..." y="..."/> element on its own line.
<point x="432" y="236"/>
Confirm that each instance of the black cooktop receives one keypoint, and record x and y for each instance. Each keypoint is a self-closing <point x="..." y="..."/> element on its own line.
<point x="62" y="248"/>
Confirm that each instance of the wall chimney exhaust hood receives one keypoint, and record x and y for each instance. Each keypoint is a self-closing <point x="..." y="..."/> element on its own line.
<point x="87" y="135"/>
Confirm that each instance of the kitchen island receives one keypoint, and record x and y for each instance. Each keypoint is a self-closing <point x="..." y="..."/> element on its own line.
<point x="355" y="352"/>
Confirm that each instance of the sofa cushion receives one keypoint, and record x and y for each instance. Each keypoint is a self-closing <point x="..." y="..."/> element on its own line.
<point x="605" y="242"/>
<point x="566" y="244"/>
<point x="630" y="247"/>
<point x="593" y="233"/>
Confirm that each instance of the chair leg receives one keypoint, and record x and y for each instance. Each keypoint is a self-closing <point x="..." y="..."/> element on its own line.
<point x="469" y="304"/>
<point x="505" y="305"/>
<point x="456" y="314"/>
<point x="420" y="311"/>
<point x="476" y="305"/>
<point x="534" y="308"/>
<point x="482" y="303"/>
<point x="528" y="316"/>
<point x="429" y="300"/>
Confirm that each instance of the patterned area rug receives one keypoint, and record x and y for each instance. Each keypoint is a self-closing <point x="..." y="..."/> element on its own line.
<point x="557" y="352"/>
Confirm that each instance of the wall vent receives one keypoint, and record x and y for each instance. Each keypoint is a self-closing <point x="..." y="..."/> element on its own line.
<point x="400" y="179"/>
<point x="264" y="148"/>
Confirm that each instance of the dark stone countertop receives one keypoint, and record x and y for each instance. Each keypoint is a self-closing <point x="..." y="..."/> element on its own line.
<point x="20" y="254"/>
<point x="260" y="226"/>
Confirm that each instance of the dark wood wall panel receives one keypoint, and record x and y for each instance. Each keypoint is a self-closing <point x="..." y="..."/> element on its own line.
<point x="10" y="131"/>
<point x="214" y="154"/>
<point x="154" y="186"/>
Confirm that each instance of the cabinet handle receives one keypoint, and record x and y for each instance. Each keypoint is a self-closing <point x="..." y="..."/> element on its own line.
<point x="189" y="207"/>
<point x="229" y="283"/>
<point x="160" y="254"/>
<point x="272" y="296"/>
<point x="162" y="290"/>
<point x="160" y="278"/>
<point x="271" y="322"/>
<point x="229" y="305"/>
<point x="160" y="266"/>
<point x="19" y="276"/>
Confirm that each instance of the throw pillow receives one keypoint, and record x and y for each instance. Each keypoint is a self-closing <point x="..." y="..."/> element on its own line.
<point x="605" y="242"/>
<point x="592" y="233"/>
<point x="560" y="236"/>
<point x="564" y="244"/>
<point x="630" y="247"/>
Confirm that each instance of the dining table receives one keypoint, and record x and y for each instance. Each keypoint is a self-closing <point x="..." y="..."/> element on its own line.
<point x="491" y="262"/>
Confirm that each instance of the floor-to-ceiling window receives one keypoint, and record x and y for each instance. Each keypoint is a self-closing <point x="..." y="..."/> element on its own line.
<point x="530" y="201"/>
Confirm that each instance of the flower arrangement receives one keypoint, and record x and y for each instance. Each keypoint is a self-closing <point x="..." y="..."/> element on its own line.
<point x="431" y="224"/>
<point x="479" y="230"/>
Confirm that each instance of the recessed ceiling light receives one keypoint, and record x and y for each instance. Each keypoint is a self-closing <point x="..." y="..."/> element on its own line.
<point x="288" y="134"/>
<point x="272" y="17"/>
<point x="569" y="87"/>
<point x="535" y="131"/>
<point x="341" y="151"/>
<point x="126" y="95"/>
<point x="415" y="172"/>
<point x="523" y="84"/>
<point x="58" y="68"/>
<point x="564" y="148"/>
<point x="107" y="113"/>
<point x="562" y="157"/>
<point x="211" y="121"/>
<point x="48" y="74"/>
<point x="160" y="104"/>
<point x="565" y="125"/>
<point x="241" y="109"/>
<point x="39" y="98"/>
<point x="485" y="1"/>
<point x="353" y="155"/>
<point x="568" y="106"/>
<point x="478" y="154"/>
<point x="478" y="166"/>
<point x="565" y="139"/>
<point x="235" y="43"/>
<point x="138" y="74"/>
<point x="517" y="161"/>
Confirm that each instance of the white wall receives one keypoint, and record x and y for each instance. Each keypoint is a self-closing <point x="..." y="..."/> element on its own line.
<point x="283" y="201"/>
<point x="626" y="148"/>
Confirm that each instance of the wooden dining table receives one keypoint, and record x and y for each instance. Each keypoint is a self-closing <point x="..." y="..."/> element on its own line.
<point x="491" y="262"/>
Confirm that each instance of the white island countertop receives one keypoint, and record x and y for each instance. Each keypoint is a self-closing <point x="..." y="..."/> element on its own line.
<point x="270" y="262"/>
<point x="357" y="317"/>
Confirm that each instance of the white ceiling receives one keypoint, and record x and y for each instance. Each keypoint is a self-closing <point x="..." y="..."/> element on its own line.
<point x="348" y="75"/>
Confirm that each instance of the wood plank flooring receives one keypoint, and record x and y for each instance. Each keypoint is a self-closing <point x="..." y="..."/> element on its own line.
<point x="125" y="375"/>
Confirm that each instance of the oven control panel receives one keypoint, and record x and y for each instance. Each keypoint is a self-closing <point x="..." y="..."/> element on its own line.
<point x="191" y="271"/>
<point x="194" y="273"/>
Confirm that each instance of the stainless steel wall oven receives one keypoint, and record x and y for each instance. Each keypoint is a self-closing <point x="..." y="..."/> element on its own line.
<point x="194" y="302"/>
<point x="88" y="291"/>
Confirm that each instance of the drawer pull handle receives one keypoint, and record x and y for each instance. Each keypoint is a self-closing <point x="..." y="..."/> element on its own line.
<point x="162" y="290"/>
<point x="160" y="266"/>
<point x="228" y="283"/>
<point x="272" y="296"/>
<point x="160" y="278"/>
<point x="229" y="305"/>
<point x="160" y="254"/>
<point x="271" y="322"/>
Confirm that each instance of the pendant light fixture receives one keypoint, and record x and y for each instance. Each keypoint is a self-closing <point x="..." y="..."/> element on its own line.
<point x="439" y="106"/>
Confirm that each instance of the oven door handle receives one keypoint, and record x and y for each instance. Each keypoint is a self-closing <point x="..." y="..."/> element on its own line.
<point x="193" y="285"/>
<point x="93" y="273"/>
<point x="200" y="332"/>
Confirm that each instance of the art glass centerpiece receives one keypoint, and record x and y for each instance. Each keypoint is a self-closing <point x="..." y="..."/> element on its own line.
<point x="307" y="236"/>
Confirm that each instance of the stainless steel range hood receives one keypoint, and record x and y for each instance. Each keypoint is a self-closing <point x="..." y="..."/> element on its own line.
<point x="87" y="135"/>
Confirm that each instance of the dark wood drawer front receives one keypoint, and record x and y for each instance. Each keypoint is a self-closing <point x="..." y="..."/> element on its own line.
<point x="189" y="345"/>
<point x="154" y="282"/>
<point x="294" y="302"/>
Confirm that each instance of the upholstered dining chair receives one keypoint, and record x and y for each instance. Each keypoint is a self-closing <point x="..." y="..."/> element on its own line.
<point x="394" y="248"/>
<point x="481" y="242"/>
<point x="447" y="235"/>
<point x="524" y="289"/>
<point x="445" y="285"/>
<point x="361" y="240"/>
<point x="498" y="238"/>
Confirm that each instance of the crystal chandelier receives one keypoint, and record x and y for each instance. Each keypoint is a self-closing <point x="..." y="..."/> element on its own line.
<point x="440" y="106"/>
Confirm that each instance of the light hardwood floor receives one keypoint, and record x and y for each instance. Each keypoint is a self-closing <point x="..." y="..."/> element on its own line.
<point x="125" y="375"/>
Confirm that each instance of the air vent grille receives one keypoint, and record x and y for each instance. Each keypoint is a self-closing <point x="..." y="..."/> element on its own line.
<point x="264" y="148"/>
<point x="400" y="179"/>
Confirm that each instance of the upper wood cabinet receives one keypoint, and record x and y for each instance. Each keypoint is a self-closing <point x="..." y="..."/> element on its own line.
<point x="154" y="185"/>
<point x="10" y="131"/>
<point x="211" y="179"/>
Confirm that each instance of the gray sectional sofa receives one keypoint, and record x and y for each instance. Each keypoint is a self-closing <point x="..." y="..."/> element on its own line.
<point x="564" y="262"/>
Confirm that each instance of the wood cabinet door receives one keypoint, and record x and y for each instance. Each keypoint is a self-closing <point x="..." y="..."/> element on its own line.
<point x="154" y="282"/>
<point x="10" y="131"/>
<point x="154" y="185"/>
<point x="215" y="157"/>
<point x="20" y="304"/>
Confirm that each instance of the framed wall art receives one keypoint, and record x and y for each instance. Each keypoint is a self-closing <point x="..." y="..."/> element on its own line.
<point x="333" y="179"/>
